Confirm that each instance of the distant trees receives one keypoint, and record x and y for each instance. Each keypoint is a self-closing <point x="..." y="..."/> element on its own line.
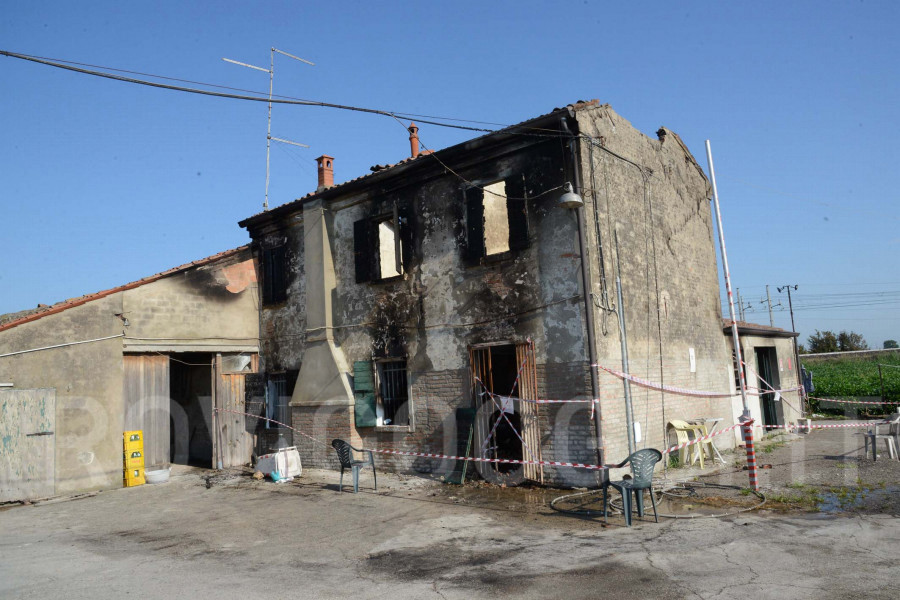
<point x="827" y="341"/>
<point x="891" y="344"/>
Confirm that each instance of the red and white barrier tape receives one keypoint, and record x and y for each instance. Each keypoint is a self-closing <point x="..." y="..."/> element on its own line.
<point x="663" y="388"/>
<point x="849" y="401"/>
<point x="838" y="426"/>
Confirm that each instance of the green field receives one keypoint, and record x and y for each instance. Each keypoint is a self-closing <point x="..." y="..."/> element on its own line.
<point x="855" y="378"/>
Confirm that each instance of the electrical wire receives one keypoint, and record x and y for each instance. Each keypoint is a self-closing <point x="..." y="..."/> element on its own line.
<point x="275" y="99"/>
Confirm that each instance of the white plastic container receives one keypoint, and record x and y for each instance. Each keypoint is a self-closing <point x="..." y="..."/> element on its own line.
<point x="157" y="476"/>
<point x="286" y="462"/>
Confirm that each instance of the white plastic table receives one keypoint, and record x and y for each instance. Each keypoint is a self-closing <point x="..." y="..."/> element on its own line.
<point x="711" y="423"/>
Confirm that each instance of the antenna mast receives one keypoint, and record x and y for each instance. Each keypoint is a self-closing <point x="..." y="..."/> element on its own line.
<point x="269" y="138"/>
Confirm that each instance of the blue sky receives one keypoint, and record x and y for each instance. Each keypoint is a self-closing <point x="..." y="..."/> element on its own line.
<point x="103" y="182"/>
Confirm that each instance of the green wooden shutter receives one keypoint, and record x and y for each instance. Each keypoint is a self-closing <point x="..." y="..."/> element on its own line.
<point x="364" y="392"/>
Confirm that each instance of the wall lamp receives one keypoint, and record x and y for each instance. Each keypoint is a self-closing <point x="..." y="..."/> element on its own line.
<point x="569" y="199"/>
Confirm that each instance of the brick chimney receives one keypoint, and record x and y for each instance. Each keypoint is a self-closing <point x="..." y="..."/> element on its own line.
<point x="413" y="140"/>
<point x="326" y="172"/>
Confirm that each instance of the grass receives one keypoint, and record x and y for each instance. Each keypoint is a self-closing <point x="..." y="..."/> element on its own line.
<point x="772" y="446"/>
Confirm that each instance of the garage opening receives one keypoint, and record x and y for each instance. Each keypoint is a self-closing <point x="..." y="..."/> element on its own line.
<point x="191" y="409"/>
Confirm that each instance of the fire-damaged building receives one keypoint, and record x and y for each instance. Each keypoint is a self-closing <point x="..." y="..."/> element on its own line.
<point x="525" y="263"/>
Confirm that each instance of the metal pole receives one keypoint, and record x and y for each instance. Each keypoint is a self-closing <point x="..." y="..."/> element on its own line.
<point x="794" y="330"/>
<point x="740" y="304"/>
<point x="769" y="301"/>
<point x="748" y="432"/>
<point x="623" y="341"/>
<point x="269" y="125"/>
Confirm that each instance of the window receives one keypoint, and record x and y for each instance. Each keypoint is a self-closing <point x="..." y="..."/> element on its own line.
<point x="393" y="394"/>
<point x="274" y="268"/>
<point x="382" y="393"/>
<point x="382" y="246"/>
<point x="496" y="219"/>
<point x="279" y="389"/>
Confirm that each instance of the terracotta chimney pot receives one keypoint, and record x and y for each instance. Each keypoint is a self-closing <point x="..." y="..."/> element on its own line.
<point x="413" y="140"/>
<point x="326" y="172"/>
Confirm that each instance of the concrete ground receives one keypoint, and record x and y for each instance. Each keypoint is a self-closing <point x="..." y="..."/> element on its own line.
<point x="415" y="538"/>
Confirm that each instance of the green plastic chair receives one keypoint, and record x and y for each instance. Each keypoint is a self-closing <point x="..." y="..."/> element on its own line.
<point x="345" y="454"/>
<point x="642" y="464"/>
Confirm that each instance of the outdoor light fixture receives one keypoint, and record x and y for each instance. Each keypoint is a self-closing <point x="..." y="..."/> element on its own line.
<point x="569" y="199"/>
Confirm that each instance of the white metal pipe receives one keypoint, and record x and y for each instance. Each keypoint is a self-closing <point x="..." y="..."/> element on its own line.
<point x="734" y="329"/>
<point x="61" y="345"/>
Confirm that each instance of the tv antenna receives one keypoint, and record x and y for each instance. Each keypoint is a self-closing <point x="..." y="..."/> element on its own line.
<point x="269" y="138"/>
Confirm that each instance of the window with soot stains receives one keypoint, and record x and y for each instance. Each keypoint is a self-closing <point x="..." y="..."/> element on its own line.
<point x="382" y="246"/>
<point x="496" y="219"/>
<point x="274" y="275"/>
<point x="393" y="393"/>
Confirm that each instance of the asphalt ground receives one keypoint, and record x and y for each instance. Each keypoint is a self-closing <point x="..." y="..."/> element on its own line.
<point x="232" y="537"/>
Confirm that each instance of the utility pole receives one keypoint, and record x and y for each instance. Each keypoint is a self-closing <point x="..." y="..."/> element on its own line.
<point x="735" y="338"/>
<point x="269" y="138"/>
<point x="740" y="304"/>
<point x="794" y="330"/>
<point x="769" y="301"/>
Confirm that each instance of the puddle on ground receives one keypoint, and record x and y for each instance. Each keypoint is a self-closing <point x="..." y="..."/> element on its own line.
<point x="851" y="498"/>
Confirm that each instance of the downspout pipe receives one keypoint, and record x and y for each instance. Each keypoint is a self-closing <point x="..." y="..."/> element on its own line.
<point x="586" y="283"/>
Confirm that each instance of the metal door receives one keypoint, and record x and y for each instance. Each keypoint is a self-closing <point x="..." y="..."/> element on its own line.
<point x="27" y="444"/>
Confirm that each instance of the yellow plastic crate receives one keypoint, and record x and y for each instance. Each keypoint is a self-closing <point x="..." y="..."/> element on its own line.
<point x="134" y="459"/>
<point x="134" y="477"/>
<point x="134" y="440"/>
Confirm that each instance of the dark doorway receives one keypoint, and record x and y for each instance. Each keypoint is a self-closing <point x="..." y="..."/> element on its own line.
<point x="496" y="370"/>
<point x="191" y="409"/>
<point x="767" y="371"/>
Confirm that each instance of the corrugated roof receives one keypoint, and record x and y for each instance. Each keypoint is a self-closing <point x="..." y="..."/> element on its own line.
<point x="40" y="312"/>
<point x="382" y="169"/>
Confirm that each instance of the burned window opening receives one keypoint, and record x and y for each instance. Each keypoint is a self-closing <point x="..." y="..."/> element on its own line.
<point x="382" y="246"/>
<point x="279" y="389"/>
<point x="392" y="402"/>
<point x="274" y="275"/>
<point x="496" y="219"/>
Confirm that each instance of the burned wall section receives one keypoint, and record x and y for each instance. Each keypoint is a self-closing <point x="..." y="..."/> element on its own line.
<point x="445" y="303"/>
<point x="653" y="196"/>
<point x="283" y="324"/>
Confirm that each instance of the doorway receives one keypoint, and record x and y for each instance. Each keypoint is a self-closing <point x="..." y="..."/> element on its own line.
<point x="767" y="374"/>
<point x="191" y="404"/>
<point x="505" y="428"/>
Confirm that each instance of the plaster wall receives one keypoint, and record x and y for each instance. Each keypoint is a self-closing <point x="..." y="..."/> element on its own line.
<point x="88" y="383"/>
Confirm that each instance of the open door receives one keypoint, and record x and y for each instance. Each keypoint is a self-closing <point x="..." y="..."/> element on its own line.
<point x="233" y="439"/>
<point x="767" y="371"/>
<point x="506" y="428"/>
<point x="145" y="389"/>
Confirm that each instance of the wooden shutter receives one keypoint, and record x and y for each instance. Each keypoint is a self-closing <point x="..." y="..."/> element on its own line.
<point x="364" y="392"/>
<point x="279" y="282"/>
<point x="517" y="211"/>
<point x="474" y="224"/>
<point x="406" y="235"/>
<point x="363" y="250"/>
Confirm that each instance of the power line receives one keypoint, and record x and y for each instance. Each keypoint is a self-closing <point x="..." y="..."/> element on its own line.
<point x="59" y="64"/>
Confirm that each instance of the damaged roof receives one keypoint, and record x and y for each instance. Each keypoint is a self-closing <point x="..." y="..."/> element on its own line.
<point x="26" y="316"/>
<point x="379" y="171"/>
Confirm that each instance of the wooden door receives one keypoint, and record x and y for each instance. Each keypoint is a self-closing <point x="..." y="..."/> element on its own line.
<point x="145" y="389"/>
<point x="233" y="432"/>
<point x="27" y="444"/>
